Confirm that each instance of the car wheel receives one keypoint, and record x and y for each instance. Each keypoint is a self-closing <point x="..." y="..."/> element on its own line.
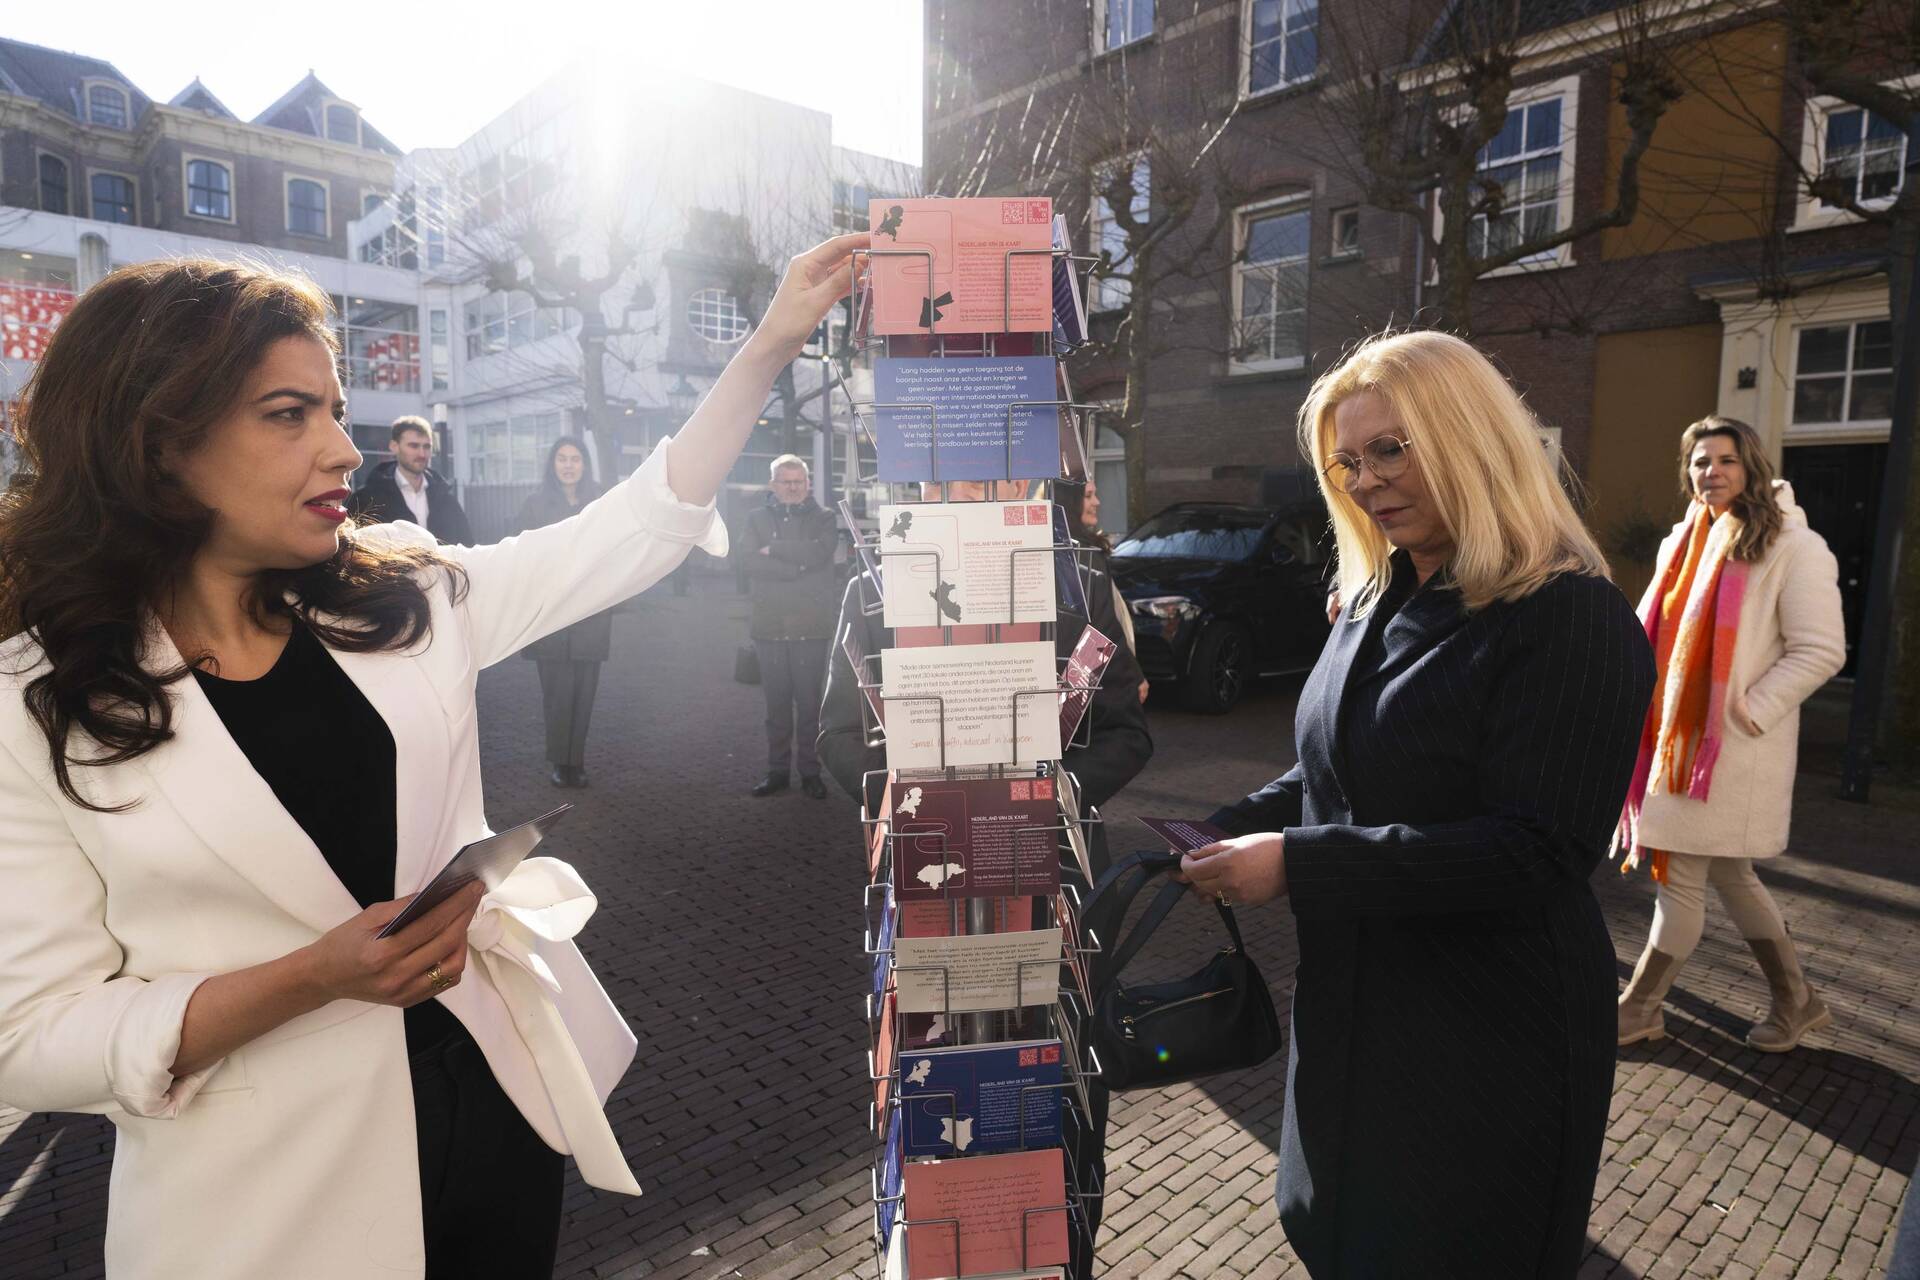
<point x="1222" y="664"/>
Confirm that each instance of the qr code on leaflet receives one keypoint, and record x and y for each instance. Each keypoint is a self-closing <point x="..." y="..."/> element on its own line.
<point x="1013" y="515"/>
<point x="1037" y="515"/>
<point x="1013" y="213"/>
<point x="1029" y="1057"/>
<point x="1019" y="791"/>
<point x="1043" y="789"/>
<point x="1039" y="211"/>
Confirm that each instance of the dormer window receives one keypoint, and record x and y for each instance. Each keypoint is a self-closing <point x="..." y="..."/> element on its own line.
<point x="107" y="105"/>
<point x="343" y="124"/>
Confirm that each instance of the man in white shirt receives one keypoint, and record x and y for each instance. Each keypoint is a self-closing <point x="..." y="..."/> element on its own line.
<point x="406" y="488"/>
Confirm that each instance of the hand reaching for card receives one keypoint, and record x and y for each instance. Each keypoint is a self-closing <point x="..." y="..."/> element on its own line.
<point x="1247" y="871"/>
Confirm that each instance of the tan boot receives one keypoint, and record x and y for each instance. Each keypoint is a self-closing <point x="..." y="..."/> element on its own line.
<point x="1796" y="1010"/>
<point x="1640" y="1016"/>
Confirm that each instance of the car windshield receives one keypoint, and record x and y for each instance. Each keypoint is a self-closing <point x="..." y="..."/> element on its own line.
<point x="1196" y="533"/>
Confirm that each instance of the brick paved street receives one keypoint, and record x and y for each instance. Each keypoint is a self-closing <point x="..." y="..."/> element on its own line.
<point x="729" y="934"/>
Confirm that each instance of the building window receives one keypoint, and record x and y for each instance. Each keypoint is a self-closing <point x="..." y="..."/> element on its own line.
<point x="209" y="190"/>
<point x="381" y="344"/>
<point x="306" y="207"/>
<point x="1109" y="238"/>
<point x="1524" y="161"/>
<point x="506" y="321"/>
<point x="1109" y="463"/>
<point x="849" y="206"/>
<point x="1270" y="288"/>
<point x="1121" y="22"/>
<point x="1345" y="232"/>
<point x="1863" y="156"/>
<point x="1844" y="374"/>
<point x="53" y="185"/>
<point x="371" y="200"/>
<point x="439" y="350"/>
<point x="343" y="124"/>
<point x="107" y="105"/>
<point x="36" y="292"/>
<point x="1282" y="42"/>
<point x="511" y="450"/>
<point x="112" y="198"/>
<point x="715" y="315"/>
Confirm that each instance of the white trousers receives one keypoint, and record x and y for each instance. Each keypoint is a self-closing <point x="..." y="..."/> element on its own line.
<point x="1680" y="911"/>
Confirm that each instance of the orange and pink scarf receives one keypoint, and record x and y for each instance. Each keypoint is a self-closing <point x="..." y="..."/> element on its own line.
<point x="1692" y="617"/>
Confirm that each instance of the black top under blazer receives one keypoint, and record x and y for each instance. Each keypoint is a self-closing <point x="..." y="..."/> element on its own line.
<point x="1452" y="1049"/>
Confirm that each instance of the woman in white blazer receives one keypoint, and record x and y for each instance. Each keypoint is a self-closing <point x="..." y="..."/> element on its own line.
<point x="1744" y="612"/>
<point x="188" y="903"/>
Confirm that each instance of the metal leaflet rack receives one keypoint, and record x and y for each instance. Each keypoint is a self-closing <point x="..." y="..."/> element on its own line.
<point x="1062" y="1015"/>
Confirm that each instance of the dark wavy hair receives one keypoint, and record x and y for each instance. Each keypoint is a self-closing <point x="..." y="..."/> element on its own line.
<point x="1756" y="507"/>
<point x="147" y="361"/>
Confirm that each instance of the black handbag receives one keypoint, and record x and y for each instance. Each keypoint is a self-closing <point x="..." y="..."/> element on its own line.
<point x="1219" y="1019"/>
<point x="746" y="664"/>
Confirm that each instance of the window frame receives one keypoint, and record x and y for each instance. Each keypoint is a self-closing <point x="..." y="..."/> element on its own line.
<point x="133" y="206"/>
<point x="1243" y="218"/>
<point x="1567" y="89"/>
<point x="1813" y="432"/>
<point x="326" y="206"/>
<point x="187" y="161"/>
<point x="1099" y="33"/>
<point x="88" y="85"/>
<point x="40" y="158"/>
<point x="359" y="126"/>
<point x="1809" y="211"/>
<point x="733" y="300"/>
<point x="1097" y="288"/>
<point x="1335" y="253"/>
<point x="1247" y="92"/>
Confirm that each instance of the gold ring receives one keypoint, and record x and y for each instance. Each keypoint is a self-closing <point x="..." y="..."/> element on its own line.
<point x="438" y="980"/>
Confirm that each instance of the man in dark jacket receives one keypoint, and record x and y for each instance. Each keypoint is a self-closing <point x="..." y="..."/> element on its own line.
<point x="406" y="488"/>
<point x="788" y="553"/>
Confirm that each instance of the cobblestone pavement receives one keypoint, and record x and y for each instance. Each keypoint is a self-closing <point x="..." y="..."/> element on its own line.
<point x="729" y="934"/>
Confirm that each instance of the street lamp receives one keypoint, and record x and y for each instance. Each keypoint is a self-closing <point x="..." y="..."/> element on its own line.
<point x="682" y="398"/>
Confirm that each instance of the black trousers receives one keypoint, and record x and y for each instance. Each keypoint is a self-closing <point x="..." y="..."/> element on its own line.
<point x="489" y="1187"/>
<point x="792" y="673"/>
<point x="567" y="690"/>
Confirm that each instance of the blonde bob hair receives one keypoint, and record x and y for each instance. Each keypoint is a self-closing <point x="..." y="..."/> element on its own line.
<point x="1480" y="453"/>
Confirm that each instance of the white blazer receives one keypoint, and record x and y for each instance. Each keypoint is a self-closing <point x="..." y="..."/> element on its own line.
<point x="294" y="1157"/>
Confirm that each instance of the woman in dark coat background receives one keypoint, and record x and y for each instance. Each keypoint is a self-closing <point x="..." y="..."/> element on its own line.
<point x="1465" y="743"/>
<point x="569" y="659"/>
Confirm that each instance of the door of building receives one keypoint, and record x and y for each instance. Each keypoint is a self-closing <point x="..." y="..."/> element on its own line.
<point x="1838" y="486"/>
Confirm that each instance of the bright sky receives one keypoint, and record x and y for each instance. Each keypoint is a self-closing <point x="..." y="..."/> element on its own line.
<point x="431" y="74"/>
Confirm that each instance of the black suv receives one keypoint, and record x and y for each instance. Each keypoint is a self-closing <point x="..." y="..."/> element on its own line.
<point x="1222" y="593"/>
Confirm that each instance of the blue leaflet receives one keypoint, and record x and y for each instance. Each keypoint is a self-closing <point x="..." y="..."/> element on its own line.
<point x="968" y="404"/>
<point x="968" y="1101"/>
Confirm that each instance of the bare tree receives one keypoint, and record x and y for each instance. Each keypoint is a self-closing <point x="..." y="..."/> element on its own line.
<point x="1133" y="116"/>
<point x="1423" y="96"/>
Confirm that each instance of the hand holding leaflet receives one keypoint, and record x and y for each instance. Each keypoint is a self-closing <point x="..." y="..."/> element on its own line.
<point x="489" y="861"/>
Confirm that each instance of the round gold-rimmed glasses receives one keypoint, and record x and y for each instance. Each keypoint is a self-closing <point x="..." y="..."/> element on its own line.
<point x="1385" y="456"/>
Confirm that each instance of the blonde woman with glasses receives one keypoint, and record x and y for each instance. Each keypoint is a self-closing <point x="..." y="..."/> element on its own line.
<point x="1464" y="745"/>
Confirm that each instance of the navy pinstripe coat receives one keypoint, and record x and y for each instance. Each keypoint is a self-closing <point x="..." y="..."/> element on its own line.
<point x="1452" y="1052"/>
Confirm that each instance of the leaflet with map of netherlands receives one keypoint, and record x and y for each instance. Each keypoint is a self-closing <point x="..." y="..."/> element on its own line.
<point x="973" y="973"/>
<point x="986" y="1214"/>
<point x="963" y="563"/>
<point x="974" y="838"/>
<point x="975" y="287"/>
<point x="884" y="1065"/>
<point x="970" y="704"/>
<point x="995" y="418"/>
<point x="884" y="940"/>
<point x="1085" y="666"/>
<point x="970" y="1101"/>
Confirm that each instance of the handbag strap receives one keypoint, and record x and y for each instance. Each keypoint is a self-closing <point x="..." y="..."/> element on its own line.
<point x="1155" y="915"/>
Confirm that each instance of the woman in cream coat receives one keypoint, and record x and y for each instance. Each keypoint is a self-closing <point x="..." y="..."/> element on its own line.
<point x="175" y="953"/>
<point x="1711" y="798"/>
